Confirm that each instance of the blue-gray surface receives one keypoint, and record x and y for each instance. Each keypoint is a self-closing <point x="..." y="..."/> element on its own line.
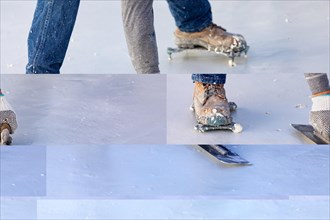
<point x="88" y="109"/>
<point x="156" y="171"/>
<point x="292" y="208"/>
<point x="171" y="181"/>
<point x="23" y="171"/>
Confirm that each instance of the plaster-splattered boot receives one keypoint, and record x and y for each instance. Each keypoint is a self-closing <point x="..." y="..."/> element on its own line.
<point x="212" y="109"/>
<point x="213" y="38"/>
<point x="319" y="116"/>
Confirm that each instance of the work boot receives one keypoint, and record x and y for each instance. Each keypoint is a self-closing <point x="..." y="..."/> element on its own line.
<point x="210" y="104"/>
<point x="213" y="38"/>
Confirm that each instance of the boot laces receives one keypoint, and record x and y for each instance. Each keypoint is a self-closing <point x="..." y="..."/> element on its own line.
<point x="214" y="90"/>
<point x="213" y="29"/>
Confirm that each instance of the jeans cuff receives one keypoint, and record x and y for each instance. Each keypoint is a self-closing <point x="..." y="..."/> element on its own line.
<point x="196" y="28"/>
<point x="31" y="69"/>
<point x="209" y="78"/>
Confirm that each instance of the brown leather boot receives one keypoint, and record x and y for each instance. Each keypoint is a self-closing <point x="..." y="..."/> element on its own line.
<point x="211" y="105"/>
<point x="214" y="38"/>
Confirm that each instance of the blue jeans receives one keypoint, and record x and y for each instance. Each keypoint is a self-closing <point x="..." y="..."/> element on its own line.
<point x="54" y="20"/>
<point x="191" y="15"/>
<point x="209" y="78"/>
<point x="50" y="34"/>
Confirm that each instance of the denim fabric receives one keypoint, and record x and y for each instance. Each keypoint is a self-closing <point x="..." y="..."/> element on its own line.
<point x="209" y="78"/>
<point x="191" y="15"/>
<point x="54" y="20"/>
<point x="50" y="34"/>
